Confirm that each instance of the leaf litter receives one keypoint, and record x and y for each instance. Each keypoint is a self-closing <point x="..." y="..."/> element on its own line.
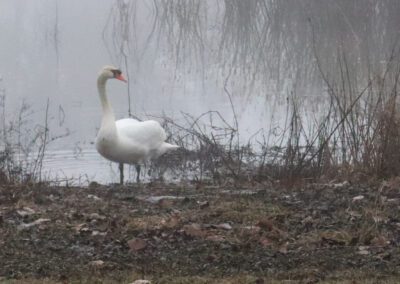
<point x="310" y="233"/>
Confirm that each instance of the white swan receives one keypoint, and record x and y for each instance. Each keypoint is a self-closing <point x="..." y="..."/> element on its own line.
<point x="127" y="140"/>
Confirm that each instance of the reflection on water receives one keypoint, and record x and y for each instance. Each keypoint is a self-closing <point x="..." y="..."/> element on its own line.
<point x="65" y="166"/>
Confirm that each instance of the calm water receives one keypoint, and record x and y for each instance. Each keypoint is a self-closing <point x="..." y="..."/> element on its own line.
<point x="54" y="50"/>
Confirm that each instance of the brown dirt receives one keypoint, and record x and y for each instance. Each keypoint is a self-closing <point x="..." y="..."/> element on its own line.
<point x="313" y="233"/>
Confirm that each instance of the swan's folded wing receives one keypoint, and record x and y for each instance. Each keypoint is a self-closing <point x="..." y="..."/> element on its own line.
<point x="148" y="133"/>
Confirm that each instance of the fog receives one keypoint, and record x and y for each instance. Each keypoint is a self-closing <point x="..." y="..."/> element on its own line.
<point x="180" y="57"/>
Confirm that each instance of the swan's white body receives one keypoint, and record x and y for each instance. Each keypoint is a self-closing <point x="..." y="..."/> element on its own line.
<point x="127" y="140"/>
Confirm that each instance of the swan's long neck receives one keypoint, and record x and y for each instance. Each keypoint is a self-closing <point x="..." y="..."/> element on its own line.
<point x="108" y="120"/>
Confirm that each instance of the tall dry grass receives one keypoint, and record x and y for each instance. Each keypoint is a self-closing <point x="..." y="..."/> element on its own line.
<point x="355" y="133"/>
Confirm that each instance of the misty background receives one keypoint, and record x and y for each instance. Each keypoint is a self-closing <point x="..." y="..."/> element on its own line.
<point x="243" y="59"/>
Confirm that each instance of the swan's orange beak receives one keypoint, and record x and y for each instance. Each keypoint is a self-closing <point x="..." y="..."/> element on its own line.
<point x="121" y="78"/>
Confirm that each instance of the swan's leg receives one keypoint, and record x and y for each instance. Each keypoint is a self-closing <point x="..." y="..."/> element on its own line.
<point x="138" y="173"/>
<point x="121" y="173"/>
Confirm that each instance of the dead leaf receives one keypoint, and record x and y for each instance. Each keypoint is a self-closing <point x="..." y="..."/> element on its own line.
<point x="171" y="222"/>
<point x="265" y="242"/>
<point x="265" y="224"/>
<point x="307" y="220"/>
<point x="380" y="241"/>
<point x="193" y="230"/>
<point x="96" y="263"/>
<point x="354" y="214"/>
<point x="137" y="244"/>
<point x="283" y="248"/>
<point x="215" y="238"/>
<point x="336" y="238"/>
<point x="25" y="211"/>
<point x="34" y="223"/>
<point x="203" y="204"/>
<point x="166" y="203"/>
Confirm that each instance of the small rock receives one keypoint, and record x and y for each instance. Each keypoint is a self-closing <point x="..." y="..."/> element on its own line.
<point x="94" y="197"/>
<point x="340" y="185"/>
<point x="224" y="226"/>
<point x="141" y="281"/>
<point x="358" y="197"/>
<point x="96" y="216"/>
<point x="79" y="227"/>
<point x="97" y="233"/>
<point x="363" y="250"/>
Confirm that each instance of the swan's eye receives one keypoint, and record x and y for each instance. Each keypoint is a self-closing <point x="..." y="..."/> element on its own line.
<point x="116" y="72"/>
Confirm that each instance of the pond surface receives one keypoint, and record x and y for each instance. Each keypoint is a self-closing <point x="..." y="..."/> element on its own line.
<point x="53" y="52"/>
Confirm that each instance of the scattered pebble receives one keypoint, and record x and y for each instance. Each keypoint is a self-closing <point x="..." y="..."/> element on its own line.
<point x="224" y="226"/>
<point x="94" y="197"/>
<point x="363" y="250"/>
<point x="141" y="281"/>
<point x="358" y="197"/>
<point x="340" y="184"/>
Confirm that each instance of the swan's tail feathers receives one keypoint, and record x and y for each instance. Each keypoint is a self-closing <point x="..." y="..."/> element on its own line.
<point x="166" y="147"/>
<point x="170" y="147"/>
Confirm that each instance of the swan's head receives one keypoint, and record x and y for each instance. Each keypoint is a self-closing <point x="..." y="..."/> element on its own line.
<point x="111" y="72"/>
